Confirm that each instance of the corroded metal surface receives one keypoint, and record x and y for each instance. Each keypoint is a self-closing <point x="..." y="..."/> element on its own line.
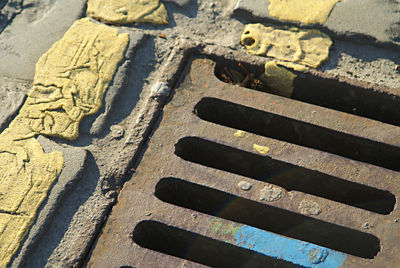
<point x="324" y="193"/>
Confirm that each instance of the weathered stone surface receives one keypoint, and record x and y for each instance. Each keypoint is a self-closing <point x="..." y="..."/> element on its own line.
<point x="70" y="82"/>
<point x="12" y="96"/>
<point x="75" y="159"/>
<point x="379" y="19"/>
<point x="95" y="125"/>
<point x="8" y="10"/>
<point x="32" y="32"/>
<point x="306" y="47"/>
<point x="304" y="11"/>
<point x="72" y="77"/>
<point x="127" y="11"/>
<point x="375" y="20"/>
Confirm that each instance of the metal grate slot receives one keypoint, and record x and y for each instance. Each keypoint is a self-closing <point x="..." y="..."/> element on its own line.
<point x="330" y="93"/>
<point x="301" y="133"/>
<point x="198" y="248"/>
<point x="231" y="207"/>
<point x="288" y="176"/>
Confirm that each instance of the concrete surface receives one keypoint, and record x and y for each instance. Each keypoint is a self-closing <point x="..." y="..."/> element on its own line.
<point x="111" y="142"/>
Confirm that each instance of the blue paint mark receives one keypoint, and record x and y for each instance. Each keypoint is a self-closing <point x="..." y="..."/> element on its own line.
<point x="298" y="252"/>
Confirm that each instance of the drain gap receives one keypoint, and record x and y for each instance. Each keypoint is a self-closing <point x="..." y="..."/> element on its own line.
<point x="227" y="206"/>
<point x="289" y="176"/>
<point x="197" y="248"/>
<point x="290" y="130"/>
<point x="328" y="93"/>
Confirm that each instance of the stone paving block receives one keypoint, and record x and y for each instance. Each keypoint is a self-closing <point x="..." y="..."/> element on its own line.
<point x="128" y="12"/>
<point x="8" y="10"/>
<point x="95" y="124"/>
<point x="75" y="159"/>
<point x="374" y="18"/>
<point x="12" y="96"/>
<point x="33" y="32"/>
<point x="364" y="21"/>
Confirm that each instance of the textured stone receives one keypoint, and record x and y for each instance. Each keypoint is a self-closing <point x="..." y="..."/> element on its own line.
<point x="71" y="79"/>
<point x="304" y="11"/>
<point x="379" y="19"/>
<point x="375" y="21"/>
<point x="306" y="47"/>
<point x="33" y="32"/>
<point x="70" y="82"/>
<point x="8" y="10"/>
<point x="128" y="11"/>
<point x="12" y="96"/>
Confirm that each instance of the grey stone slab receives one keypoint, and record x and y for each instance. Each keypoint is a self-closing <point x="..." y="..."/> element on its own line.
<point x="12" y="96"/>
<point x="379" y="19"/>
<point x="96" y="123"/>
<point x="32" y="32"/>
<point x="253" y="9"/>
<point x="8" y="10"/>
<point x="74" y="164"/>
<point x="376" y="21"/>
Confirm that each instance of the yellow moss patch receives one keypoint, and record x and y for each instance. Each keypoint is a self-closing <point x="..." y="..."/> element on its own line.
<point x="278" y="79"/>
<point x="261" y="149"/>
<point x="128" y="11"/>
<point x="305" y="47"/>
<point x="304" y="11"/>
<point x="70" y="81"/>
<point x="240" y="134"/>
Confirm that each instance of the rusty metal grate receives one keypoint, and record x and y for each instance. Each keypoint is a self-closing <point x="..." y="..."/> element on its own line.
<point x="323" y="196"/>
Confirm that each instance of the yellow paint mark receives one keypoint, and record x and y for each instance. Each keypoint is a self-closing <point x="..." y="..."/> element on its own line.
<point x="69" y="83"/>
<point x="128" y="11"/>
<point x="261" y="149"/>
<point x="304" y="11"/>
<point x="300" y="46"/>
<point x="240" y="134"/>
<point x="278" y="79"/>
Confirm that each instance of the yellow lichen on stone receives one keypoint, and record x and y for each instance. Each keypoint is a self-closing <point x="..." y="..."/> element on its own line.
<point x="70" y="81"/>
<point x="304" y="11"/>
<point x="305" y="47"/>
<point x="26" y="176"/>
<point x="261" y="149"/>
<point x="278" y="79"/>
<point x="128" y="11"/>
<point x="240" y="134"/>
<point x="72" y="77"/>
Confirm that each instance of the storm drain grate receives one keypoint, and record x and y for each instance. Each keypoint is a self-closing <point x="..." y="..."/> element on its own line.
<point x="324" y="195"/>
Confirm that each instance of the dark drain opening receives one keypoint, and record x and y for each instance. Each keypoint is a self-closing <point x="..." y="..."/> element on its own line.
<point x="288" y="176"/>
<point x="290" y="130"/>
<point x="227" y="206"/>
<point x="197" y="248"/>
<point x="328" y="93"/>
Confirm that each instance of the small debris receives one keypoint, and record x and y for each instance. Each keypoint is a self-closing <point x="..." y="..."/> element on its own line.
<point x="270" y="193"/>
<point x="159" y="89"/>
<point x="117" y="131"/>
<point x="396" y="221"/>
<point x="308" y="208"/>
<point x="240" y="134"/>
<point x="163" y="36"/>
<point x="261" y="149"/>
<point x="148" y="214"/>
<point x="245" y="186"/>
